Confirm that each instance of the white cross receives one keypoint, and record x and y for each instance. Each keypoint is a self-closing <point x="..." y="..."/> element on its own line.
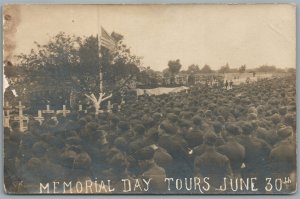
<point x="64" y="111"/>
<point x="40" y="117"/>
<point x="21" y="118"/>
<point x="109" y="107"/>
<point x="81" y="110"/>
<point x="48" y="110"/>
<point x="7" y="109"/>
<point x="6" y="121"/>
<point x="123" y="101"/>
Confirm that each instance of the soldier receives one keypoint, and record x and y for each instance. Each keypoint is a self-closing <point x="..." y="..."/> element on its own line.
<point x="233" y="150"/>
<point x="256" y="154"/>
<point x="218" y="130"/>
<point x="162" y="157"/>
<point x="211" y="163"/>
<point x="194" y="136"/>
<point x="150" y="170"/>
<point x="226" y="84"/>
<point x="230" y="84"/>
<point x="118" y="170"/>
<point x="177" y="148"/>
<point x="283" y="156"/>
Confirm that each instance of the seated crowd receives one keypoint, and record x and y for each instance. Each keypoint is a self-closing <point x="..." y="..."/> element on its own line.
<point x="248" y="131"/>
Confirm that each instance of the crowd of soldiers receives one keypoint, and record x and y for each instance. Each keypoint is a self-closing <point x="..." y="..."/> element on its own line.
<point x="248" y="131"/>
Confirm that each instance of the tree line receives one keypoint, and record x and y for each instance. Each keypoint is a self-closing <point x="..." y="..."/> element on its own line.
<point x="68" y="66"/>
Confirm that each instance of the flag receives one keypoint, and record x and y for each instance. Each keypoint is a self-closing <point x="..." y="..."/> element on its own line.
<point x="106" y="40"/>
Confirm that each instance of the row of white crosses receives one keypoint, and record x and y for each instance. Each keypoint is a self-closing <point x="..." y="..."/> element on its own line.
<point x="21" y="118"/>
<point x="40" y="117"/>
<point x="110" y="106"/>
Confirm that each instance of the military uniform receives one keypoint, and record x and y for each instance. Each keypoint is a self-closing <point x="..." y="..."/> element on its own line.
<point x="235" y="152"/>
<point x="256" y="156"/>
<point x="283" y="159"/>
<point x="163" y="158"/>
<point x="158" y="175"/>
<point x="213" y="165"/>
<point x="283" y="155"/>
<point x="151" y="170"/>
<point x="181" y="166"/>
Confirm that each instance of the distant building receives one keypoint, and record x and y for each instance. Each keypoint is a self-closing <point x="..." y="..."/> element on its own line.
<point x="181" y="79"/>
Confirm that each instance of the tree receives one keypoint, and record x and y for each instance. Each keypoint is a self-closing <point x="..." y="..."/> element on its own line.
<point x="242" y="69"/>
<point x="168" y="76"/>
<point x="149" y="77"/>
<point x="174" y="66"/>
<point x="68" y="64"/>
<point x="291" y="70"/>
<point x="193" y="69"/>
<point x="224" y="69"/>
<point x="266" y="69"/>
<point x="166" y="72"/>
<point x="206" y="69"/>
<point x="123" y="67"/>
<point x="44" y="74"/>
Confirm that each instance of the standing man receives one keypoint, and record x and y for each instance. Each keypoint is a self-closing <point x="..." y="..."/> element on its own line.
<point x="211" y="163"/>
<point x="226" y="84"/>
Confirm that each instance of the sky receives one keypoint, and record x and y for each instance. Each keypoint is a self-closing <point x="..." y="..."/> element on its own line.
<point x="196" y="34"/>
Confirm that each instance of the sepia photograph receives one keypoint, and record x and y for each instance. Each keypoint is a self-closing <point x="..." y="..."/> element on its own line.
<point x="149" y="99"/>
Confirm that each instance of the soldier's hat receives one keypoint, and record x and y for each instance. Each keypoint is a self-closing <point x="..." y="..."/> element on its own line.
<point x="184" y="123"/>
<point x="172" y="117"/>
<point x="217" y="127"/>
<point x="197" y="120"/>
<point x="145" y="153"/>
<point x="82" y="161"/>
<point x="252" y="116"/>
<point x="123" y="125"/>
<point x="208" y="113"/>
<point x="117" y="160"/>
<point x="121" y="143"/>
<point x="140" y="129"/>
<point x="289" y="119"/>
<point x="252" y="109"/>
<point x="247" y="128"/>
<point x="168" y="127"/>
<point x="92" y="126"/>
<point x="82" y="121"/>
<point x="285" y="132"/>
<point x="74" y="140"/>
<point x="275" y="118"/>
<point x="148" y="122"/>
<point x="221" y="119"/>
<point x="233" y="129"/>
<point x="156" y="116"/>
<point x="282" y="110"/>
<point x="34" y="163"/>
<point x="39" y="148"/>
<point x="210" y="138"/>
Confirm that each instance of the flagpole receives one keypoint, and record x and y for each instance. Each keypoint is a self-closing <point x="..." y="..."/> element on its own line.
<point x="99" y="54"/>
<point x="92" y="97"/>
<point x="100" y="66"/>
<point x="98" y="101"/>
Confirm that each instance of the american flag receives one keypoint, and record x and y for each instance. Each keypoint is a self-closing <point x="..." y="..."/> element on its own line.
<point x="106" y="40"/>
